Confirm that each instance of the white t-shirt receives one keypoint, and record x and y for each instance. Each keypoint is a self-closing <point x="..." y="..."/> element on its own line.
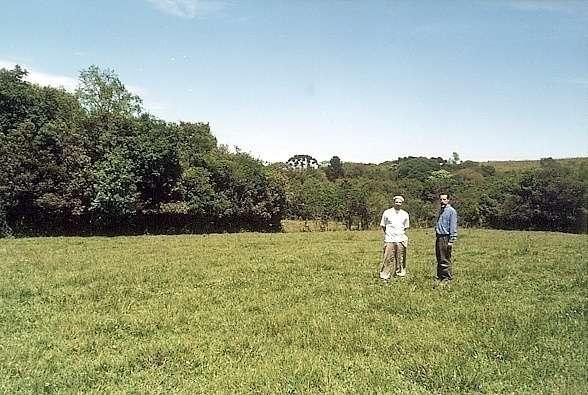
<point x="395" y="222"/>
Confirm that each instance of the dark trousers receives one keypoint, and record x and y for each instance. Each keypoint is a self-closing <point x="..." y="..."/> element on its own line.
<point x="443" y="254"/>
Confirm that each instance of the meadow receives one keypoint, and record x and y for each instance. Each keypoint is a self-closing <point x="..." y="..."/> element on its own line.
<point x="292" y="313"/>
<point x="503" y="166"/>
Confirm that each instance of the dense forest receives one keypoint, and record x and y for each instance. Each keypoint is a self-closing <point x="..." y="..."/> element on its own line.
<point x="95" y="162"/>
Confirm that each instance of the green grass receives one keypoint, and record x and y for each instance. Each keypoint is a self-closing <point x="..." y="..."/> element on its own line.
<point x="292" y="313"/>
<point x="522" y="165"/>
<point x="294" y="226"/>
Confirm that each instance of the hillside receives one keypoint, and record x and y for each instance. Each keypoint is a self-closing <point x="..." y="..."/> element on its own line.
<point x="521" y="165"/>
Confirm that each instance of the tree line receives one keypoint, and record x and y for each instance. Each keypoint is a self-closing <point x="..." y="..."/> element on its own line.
<point x="552" y="196"/>
<point x="95" y="162"/>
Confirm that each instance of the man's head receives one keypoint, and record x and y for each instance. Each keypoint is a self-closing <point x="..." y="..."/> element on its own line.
<point x="444" y="199"/>
<point x="398" y="200"/>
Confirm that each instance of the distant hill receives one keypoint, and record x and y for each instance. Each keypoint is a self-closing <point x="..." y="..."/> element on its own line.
<point x="520" y="165"/>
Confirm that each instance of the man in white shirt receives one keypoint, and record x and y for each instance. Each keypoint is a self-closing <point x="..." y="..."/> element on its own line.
<point x="394" y="223"/>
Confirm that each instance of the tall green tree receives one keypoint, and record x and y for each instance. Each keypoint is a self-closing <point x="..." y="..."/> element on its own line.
<point x="417" y="168"/>
<point x="356" y="210"/>
<point x="45" y="163"/>
<point x="335" y="169"/>
<point x="102" y="93"/>
<point x="302" y="162"/>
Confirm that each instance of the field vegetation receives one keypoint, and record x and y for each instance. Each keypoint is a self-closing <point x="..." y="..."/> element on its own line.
<point x="292" y="313"/>
<point x="505" y="166"/>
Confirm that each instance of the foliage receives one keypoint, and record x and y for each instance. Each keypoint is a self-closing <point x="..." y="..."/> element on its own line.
<point x="335" y="169"/>
<point x="418" y="168"/>
<point x="356" y="204"/>
<point x="102" y="93"/>
<point x="551" y="197"/>
<point x="44" y="177"/>
<point x="302" y="162"/>
<point x="95" y="162"/>
<point x="548" y="198"/>
<point x="454" y="159"/>
<point x="115" y="197"/>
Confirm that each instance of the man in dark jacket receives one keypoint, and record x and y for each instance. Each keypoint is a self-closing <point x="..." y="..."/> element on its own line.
<point x="446" y="235"/>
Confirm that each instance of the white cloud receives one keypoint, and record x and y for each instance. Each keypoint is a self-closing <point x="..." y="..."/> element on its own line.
<point x="188" y="8"/>
<point x="44" y="79"/>
<point x="58" y="81"/>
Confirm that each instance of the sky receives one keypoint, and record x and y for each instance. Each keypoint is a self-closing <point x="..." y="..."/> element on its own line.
<point x="368" y="81"/>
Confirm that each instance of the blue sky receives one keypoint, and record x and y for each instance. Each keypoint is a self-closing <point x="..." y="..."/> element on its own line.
<point x="368" y="81"/>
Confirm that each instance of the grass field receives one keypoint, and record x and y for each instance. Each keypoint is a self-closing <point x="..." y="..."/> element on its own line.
<point x="522" y="165"/>
<point x="292" y="313"/>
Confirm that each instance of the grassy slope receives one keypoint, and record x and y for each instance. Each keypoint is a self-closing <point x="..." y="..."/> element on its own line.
<point x="521" y="165"/>
<point x="299" y="312"/>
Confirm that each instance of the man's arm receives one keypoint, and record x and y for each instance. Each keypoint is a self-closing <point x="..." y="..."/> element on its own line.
<point x="453" y="227"/>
